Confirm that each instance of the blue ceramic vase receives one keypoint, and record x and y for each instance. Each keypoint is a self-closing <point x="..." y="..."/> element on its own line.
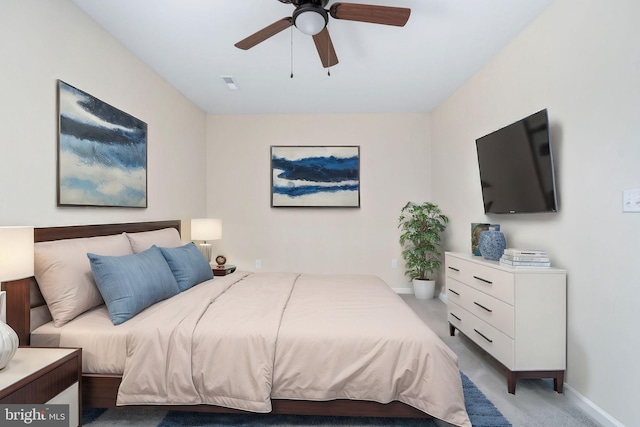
<point x="492" y="244"/>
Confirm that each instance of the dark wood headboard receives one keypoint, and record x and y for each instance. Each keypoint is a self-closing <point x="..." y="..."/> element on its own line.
<point x="18" y="291"/>
<point x="47" y="234"/>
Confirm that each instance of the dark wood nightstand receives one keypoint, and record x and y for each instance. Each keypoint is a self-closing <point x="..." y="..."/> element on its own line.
<point x="42" y="375"/>
<point x="223" y="271"/>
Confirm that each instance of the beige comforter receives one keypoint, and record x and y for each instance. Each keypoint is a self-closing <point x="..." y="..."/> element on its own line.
<point x="242" y="341"/>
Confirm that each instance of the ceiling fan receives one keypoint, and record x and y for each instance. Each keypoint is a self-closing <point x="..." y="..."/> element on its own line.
<point x="311" y="18"/>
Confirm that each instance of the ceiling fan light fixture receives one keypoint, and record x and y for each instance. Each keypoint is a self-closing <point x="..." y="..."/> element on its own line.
<point x="310" y="19"/>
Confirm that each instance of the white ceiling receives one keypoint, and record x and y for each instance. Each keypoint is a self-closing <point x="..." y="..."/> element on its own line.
<point x="382" y="69"/>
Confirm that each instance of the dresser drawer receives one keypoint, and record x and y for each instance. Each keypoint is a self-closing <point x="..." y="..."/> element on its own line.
<point x="492" y="281"/>
<point x="454" y="267"/>
<point x="493" y="311"/>
<point x="457" y="316"/>
<point x="499" y="345"/>
<point x="492" y="340"/>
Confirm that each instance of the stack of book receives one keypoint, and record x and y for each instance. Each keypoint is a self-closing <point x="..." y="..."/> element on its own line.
<point x="524" y="258"/>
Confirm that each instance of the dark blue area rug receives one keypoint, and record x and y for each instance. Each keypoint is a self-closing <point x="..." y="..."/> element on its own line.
<point x="482" y="413"/>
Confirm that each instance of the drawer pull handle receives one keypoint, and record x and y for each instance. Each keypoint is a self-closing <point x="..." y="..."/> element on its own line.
<point x="456" y="317"/>
<point x="483" y="307"/>
<point x="454" y="292"/>
<point x="483" y="280"/>
<point x="453" y="268"/>
<point x="482" y="335"/>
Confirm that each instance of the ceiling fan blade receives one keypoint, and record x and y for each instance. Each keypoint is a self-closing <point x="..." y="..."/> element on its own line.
<point x="386" y="15"/>
<point x="325" y="48"/>
<point x="265" y="33"/>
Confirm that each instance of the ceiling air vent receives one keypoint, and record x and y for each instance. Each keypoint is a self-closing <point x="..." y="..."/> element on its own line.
<point x="230" y="82"/>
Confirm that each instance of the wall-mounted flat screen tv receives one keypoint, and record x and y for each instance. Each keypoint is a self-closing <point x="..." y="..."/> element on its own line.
<point x="516" y="167"/>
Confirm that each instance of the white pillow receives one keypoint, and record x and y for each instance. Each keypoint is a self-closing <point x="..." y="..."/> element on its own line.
<point x="64" y="275"/>
<point x="165" y="238"/>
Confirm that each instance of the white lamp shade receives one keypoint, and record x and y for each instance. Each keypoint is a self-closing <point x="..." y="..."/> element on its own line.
<point x="16" y="253"/>
<point x="310" y="22"/>
<point x="206" y="229"/>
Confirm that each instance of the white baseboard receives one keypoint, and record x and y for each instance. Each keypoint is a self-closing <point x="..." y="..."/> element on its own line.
<point x="590" y="408"/>
<point x="409" y="291"/>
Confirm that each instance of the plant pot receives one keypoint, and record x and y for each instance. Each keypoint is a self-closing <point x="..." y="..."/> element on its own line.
<point x="424" y="289"/>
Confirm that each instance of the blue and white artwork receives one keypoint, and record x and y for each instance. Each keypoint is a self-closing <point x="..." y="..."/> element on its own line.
<point x="102" y="154"/>
<point x="315" y="176"/>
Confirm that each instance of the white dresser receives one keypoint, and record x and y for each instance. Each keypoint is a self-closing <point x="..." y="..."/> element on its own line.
<point x="518" y="316"/>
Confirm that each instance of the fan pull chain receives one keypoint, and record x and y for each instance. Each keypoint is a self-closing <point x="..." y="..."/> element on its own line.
<point x="292" y="51"/>
<point x="328" y="55"/>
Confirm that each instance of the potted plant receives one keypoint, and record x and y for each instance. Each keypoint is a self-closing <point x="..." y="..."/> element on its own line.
<point x="421" y="226"/>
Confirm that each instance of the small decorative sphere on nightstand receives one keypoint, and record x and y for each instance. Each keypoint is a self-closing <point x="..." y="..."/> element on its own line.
<point x="221" y="260"/>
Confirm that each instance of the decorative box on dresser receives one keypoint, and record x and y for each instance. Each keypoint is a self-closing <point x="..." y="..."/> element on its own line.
<point x="516" y="315"/>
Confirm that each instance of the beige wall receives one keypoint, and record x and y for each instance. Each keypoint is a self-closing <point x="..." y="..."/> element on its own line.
<point x="394" y="157"/>
<point x="42" y="41"/>
<point x="580" y="60"/>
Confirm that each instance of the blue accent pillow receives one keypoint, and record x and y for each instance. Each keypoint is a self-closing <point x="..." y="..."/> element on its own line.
<point x="131" y="283"/>
<point x="188" y="265"/>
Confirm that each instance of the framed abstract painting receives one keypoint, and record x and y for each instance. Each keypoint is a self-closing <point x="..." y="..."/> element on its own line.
<point x="327" y="176"/>
<point x="102" y="153"/>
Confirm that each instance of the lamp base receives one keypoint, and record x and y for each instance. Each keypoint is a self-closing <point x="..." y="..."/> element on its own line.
<point x="205" y="248"/>
<point x="8" y="344"/>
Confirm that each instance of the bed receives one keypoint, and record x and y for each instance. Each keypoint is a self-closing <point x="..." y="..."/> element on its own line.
<point x="282" y="343"/>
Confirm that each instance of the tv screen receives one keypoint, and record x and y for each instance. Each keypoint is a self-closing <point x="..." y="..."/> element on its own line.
<point x="516" y="167"/>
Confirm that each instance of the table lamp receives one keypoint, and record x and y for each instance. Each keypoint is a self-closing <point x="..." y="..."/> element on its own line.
<point x="16" y="262"/>
<point x="206" y="229"/>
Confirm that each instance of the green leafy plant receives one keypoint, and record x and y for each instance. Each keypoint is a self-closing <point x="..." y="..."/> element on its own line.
<point x="421" y="226"/>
